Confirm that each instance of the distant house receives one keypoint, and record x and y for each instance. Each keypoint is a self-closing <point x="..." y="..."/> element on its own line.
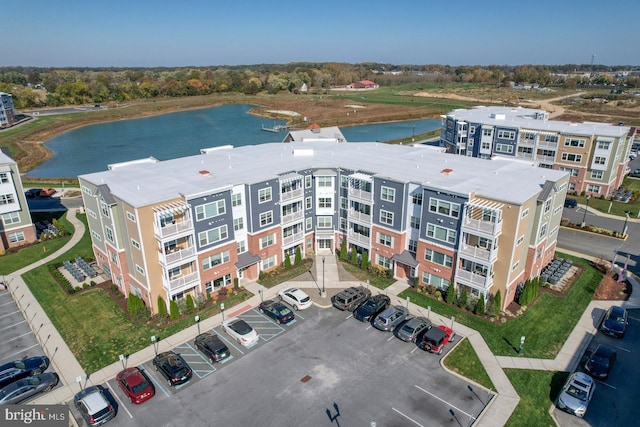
<point x="303" y="88"/>
<point x="7" y="114"/>
<point x="364" y="84"/>
<point x="315" y="133"/>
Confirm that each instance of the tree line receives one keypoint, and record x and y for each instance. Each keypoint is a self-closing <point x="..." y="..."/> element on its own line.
<point x="38" y="86"/>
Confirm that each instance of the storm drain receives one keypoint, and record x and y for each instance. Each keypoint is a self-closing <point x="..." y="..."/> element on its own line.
<point x="306" y="378"/>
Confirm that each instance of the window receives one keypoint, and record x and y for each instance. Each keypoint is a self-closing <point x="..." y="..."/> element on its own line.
<point x="135" y="244"/>
<point x="520" y="240"/>
<point x="415" y="222"/>
<point x="547" y="205"/>
<point x="570" y="157"/>
<point x="557" y="210"/>
<point x="264" y="195"/>
<point x="109" y="234"/>
<point x="436" y="281"/>
<point x="114" y="257"/>
<point x="514" y="266"/>
<point x="506" y="134"/>
<point x="344" y="181"/>
<point x="307" y="181"/>
<point x="593" y="188"/>
<point x="307" y="203"/>
<point x="599" y="160"/>
<point x="16" y="237"/>
<point x="86" y="191"/>
<point x="324" y="181"/>
<point x="487" y="132"/>
<point x="236" y="199"/>
<point x="325" y="222"/>
<point x="603" y="145"/>
<point x="210" y="210"/>
<point x="241" y="246"/>
<point x="267" y="241"/>
<point x="413" y="246"/>
<point x="308" y="223"/>
<point x="214" y="260"/>
<point x="215" y="285"/>
<point x="553" y="231"/>
<point x="325" y="202"/>
<point x="344" y="203"/>
<point x="504" y="148"/>
<point x="386" y="217"/>
<point x="438" y="258"/>
<point x="11" y="218"/>
<point x="543" y="231"/>
<point x="417" y="199"/>
<point x="96" y="236"/>
<point x="385" y="239"/>
<point x="551" y="138"/>
<point x="383" y="261"/>
<point x="212" y="236"/>
<point x="486" y="145"/>
<point x="105" y="209"/>
<point x="441" y="233"/>
<point x="388" y="194"/>
<point x="139" y="269"/>
<point x="343" y="224"/>
<point x="266" y="218"/>
<point x="572" y="172"/>
<point x="92" y="214"/>
<point x="528" y="136"/>
<point x="238" y="224"/>
<point x="597" y="174"/>
<point x="269" y="263"/>
<point x="472" y="130"/>
<point x="574" y="142"/>
<point x="444" y="208"/>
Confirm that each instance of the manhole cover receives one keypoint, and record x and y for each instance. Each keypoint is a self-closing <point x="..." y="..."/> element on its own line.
<point x="306" y="378"/>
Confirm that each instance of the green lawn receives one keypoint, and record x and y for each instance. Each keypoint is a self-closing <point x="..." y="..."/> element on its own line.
<point x="464" y="360"/>
<point x="546" y="324"/>
<point x="537" y="391"/>
<point x="362" y="275"/>
<point x="611" y="207"/>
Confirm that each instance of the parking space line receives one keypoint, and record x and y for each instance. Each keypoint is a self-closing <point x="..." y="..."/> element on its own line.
<point x="7" y="303"/>
<point x="11" y="326"/>
<point x="417" y="348"/>
<point x="444" y="401"/>
<point x="408" y="417"/>
<point x="19" y="336"/>
<point x="608" y="385"/>
<point x="633" y="318"/>
<point x="228" y="341"/>
<point x="390" y="338"/>
<point x="297" y="315"/>
<point x="113" y="393"/>
<point x="20" y="351"/>
<point x="9" y="314"/>
<point x="622" y="348"/>
<point x="350" y="316"/>
<point x="159" y="384"/>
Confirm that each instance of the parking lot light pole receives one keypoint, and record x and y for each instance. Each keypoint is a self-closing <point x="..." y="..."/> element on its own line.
<point x="624" y="228"/>
<point x="521" y="344"/>
<point x="323" y="293"/>
<point x="222" y="310"/>
<point x="122" y="359"/>
<point x="584" y="217"/>
<point x="198" y="323"/>
<point x="155" y="345"/>
<point x="261" y="292"/>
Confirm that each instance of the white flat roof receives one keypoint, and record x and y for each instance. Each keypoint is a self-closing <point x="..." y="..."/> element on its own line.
<point x="147" y="183"/>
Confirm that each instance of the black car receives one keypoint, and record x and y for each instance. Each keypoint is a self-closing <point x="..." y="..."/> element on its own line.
<point x="570" y="203"/>
<point x="615" y="321"/>
<point x="277" y="311"/>
<point x="600" y="362"/>
<point x="373" y="306"/>
<point x="25" y="388"/>
<point x="212" y="347"/>
<point x="172" y="367"/>
<point x="25" y="367"/>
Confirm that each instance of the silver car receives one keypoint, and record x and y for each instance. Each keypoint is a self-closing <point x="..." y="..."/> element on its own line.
<point x="391" y="317"/>
<point x="412" y="329"/>
<point x="576" y="394"/>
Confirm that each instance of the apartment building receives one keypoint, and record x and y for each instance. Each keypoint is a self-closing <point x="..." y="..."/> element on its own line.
<point x="193" y="224"/>
<point x="16" y="227"/>
<point x="7" y="114"/>
<point x="595" y="155"/>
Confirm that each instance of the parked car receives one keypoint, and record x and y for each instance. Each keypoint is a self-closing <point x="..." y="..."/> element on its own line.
<point x="373" y="306"/>
<point x="212" y="347"/>
<point x="136" y="385"/>
<point x="635" y="173"/>
<point x="600" y="362"/>
<point x="172" y="367"/>
<point x="296" y="298"/>
<point x="435" y="339"/>
<point x="391" y="317"/>
<point x="94" y="406"/>
<point x="277" y="311"/>
<point x="570" y="203"/>
<point x="576" y="394"/>
<point x="25" y="367"/>
<point x="615" y="321"/>
<point x="349" y="299"/>
<point x="25" y="388"/>
<point x="410" y="330"/>
<point x="32" y="193"/>
<point x="240" y="330"/>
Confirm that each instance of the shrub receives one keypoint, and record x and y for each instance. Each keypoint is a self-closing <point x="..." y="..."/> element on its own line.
<point x="464" y="297"/>
<point x="450" y="296"/>
<point x="85" y="285"/>
<point x="174" y="310"/>
<point x="479" y="309"/>
<point x="497" y="303"/>
<point x="114" y="288"/>
<point x="190" y="306"/>
<point x="287" y="261"/>
<point x="261" y="275"/>
<point x="199" y="301"/>
<point x="388" y="273"/>
<point x="298" y="259"/>
<point x="438" y="295"/>
<point x="364" y="262"/>
<point x="162" y="308"/>
<point x="343" y="251"/>
<point x="229" y="291"/>
<point x="354" y="257"/>
<point x="92" y="283"/>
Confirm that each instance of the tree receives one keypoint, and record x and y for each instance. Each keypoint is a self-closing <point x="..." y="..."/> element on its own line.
<point x="190" y="304"/>
<point x="343" y="251"/>
<point x="287" y="261"/>
<point x="498" y="301"/>
<point x="450" y="296"/>
<point x="464" y="298"/>
<point x="479" y="308"/>
<point x="162" y="308"/>
<point x="174" y="310"/>
<point x="364" y="263"/>
<point x="298" y="255"/>
<point x="354" y="256"/>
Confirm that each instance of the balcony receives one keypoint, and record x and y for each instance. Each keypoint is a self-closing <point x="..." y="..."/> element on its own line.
<point x="179" y="256"/>
<point x="360" y="194"/>
<point x="548" y="144"/>
<point x="479" y="225"/>
<point x="477" y="281"/>
<point x="359" y="216"/>
<point x="172" y="229"/>
<point x="290" y="195"/>
<point x="183" y="282"/>
<point x="545" y="159"/>
<point x="293" y="238"/>
<point x="478" y="253"/>
<point x="526" y="143"/>
<point x="292" y="217"/>
<point x="521" y="155"/>
<point x="359" y="238"/>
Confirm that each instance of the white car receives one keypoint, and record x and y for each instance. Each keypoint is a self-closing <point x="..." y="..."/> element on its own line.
<point x="240" y="330"/>
<point x="296" y="298"/>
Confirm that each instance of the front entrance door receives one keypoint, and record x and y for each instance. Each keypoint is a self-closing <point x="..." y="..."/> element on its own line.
<point x="324" y="243"/>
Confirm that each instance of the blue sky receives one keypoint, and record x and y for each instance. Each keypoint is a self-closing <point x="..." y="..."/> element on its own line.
<point x="133" y="33"/>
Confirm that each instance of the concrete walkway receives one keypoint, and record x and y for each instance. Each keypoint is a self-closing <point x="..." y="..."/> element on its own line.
<point x="325" y="276"/>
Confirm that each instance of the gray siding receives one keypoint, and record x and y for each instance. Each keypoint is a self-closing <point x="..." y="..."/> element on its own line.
<point x="396" y="207"/>
<point x="257" y="208"/>
<point x="438" y="219"/>
<point x="214" y="222"/>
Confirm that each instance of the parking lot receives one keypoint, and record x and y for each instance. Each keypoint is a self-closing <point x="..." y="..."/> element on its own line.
<point x="324" y="368"/>
<point x="614" y="401"/>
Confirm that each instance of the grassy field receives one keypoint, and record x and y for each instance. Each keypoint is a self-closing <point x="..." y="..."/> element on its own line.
<point x="546" y="324"/>
<point x="537" y="391"/>
<point x="464" y="360"/>
<point x="613" y="207"/>
<point x="363" y="276"/>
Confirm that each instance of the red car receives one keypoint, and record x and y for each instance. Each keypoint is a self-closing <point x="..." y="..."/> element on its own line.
<point x="435" y="339"/>
<point x="136" y="385"/>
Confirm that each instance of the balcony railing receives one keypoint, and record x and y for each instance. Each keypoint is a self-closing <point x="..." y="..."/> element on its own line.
<point x="294" y="216"/>
<point x="526" y="143"/>
<point x="479" y="253"/>
<point x="476" y="280"/>
<point x="359" y="238"/>
<point x="183" y="281"/>
<point x="521" y="155"/>
<point x="547" y="144"/>
<point x="172" y="229"/>
<point x="178" y="256"/>
<point x="361" y="194"/>
<point x="488" y="227"/>
<point x="545" y="159"/>
<point x="293" y="194"/>
<point x="359" y="216"/>
<point x="296" y="237"/>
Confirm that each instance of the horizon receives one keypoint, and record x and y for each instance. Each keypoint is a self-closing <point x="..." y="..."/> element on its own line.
<point x="131" y="35"/>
